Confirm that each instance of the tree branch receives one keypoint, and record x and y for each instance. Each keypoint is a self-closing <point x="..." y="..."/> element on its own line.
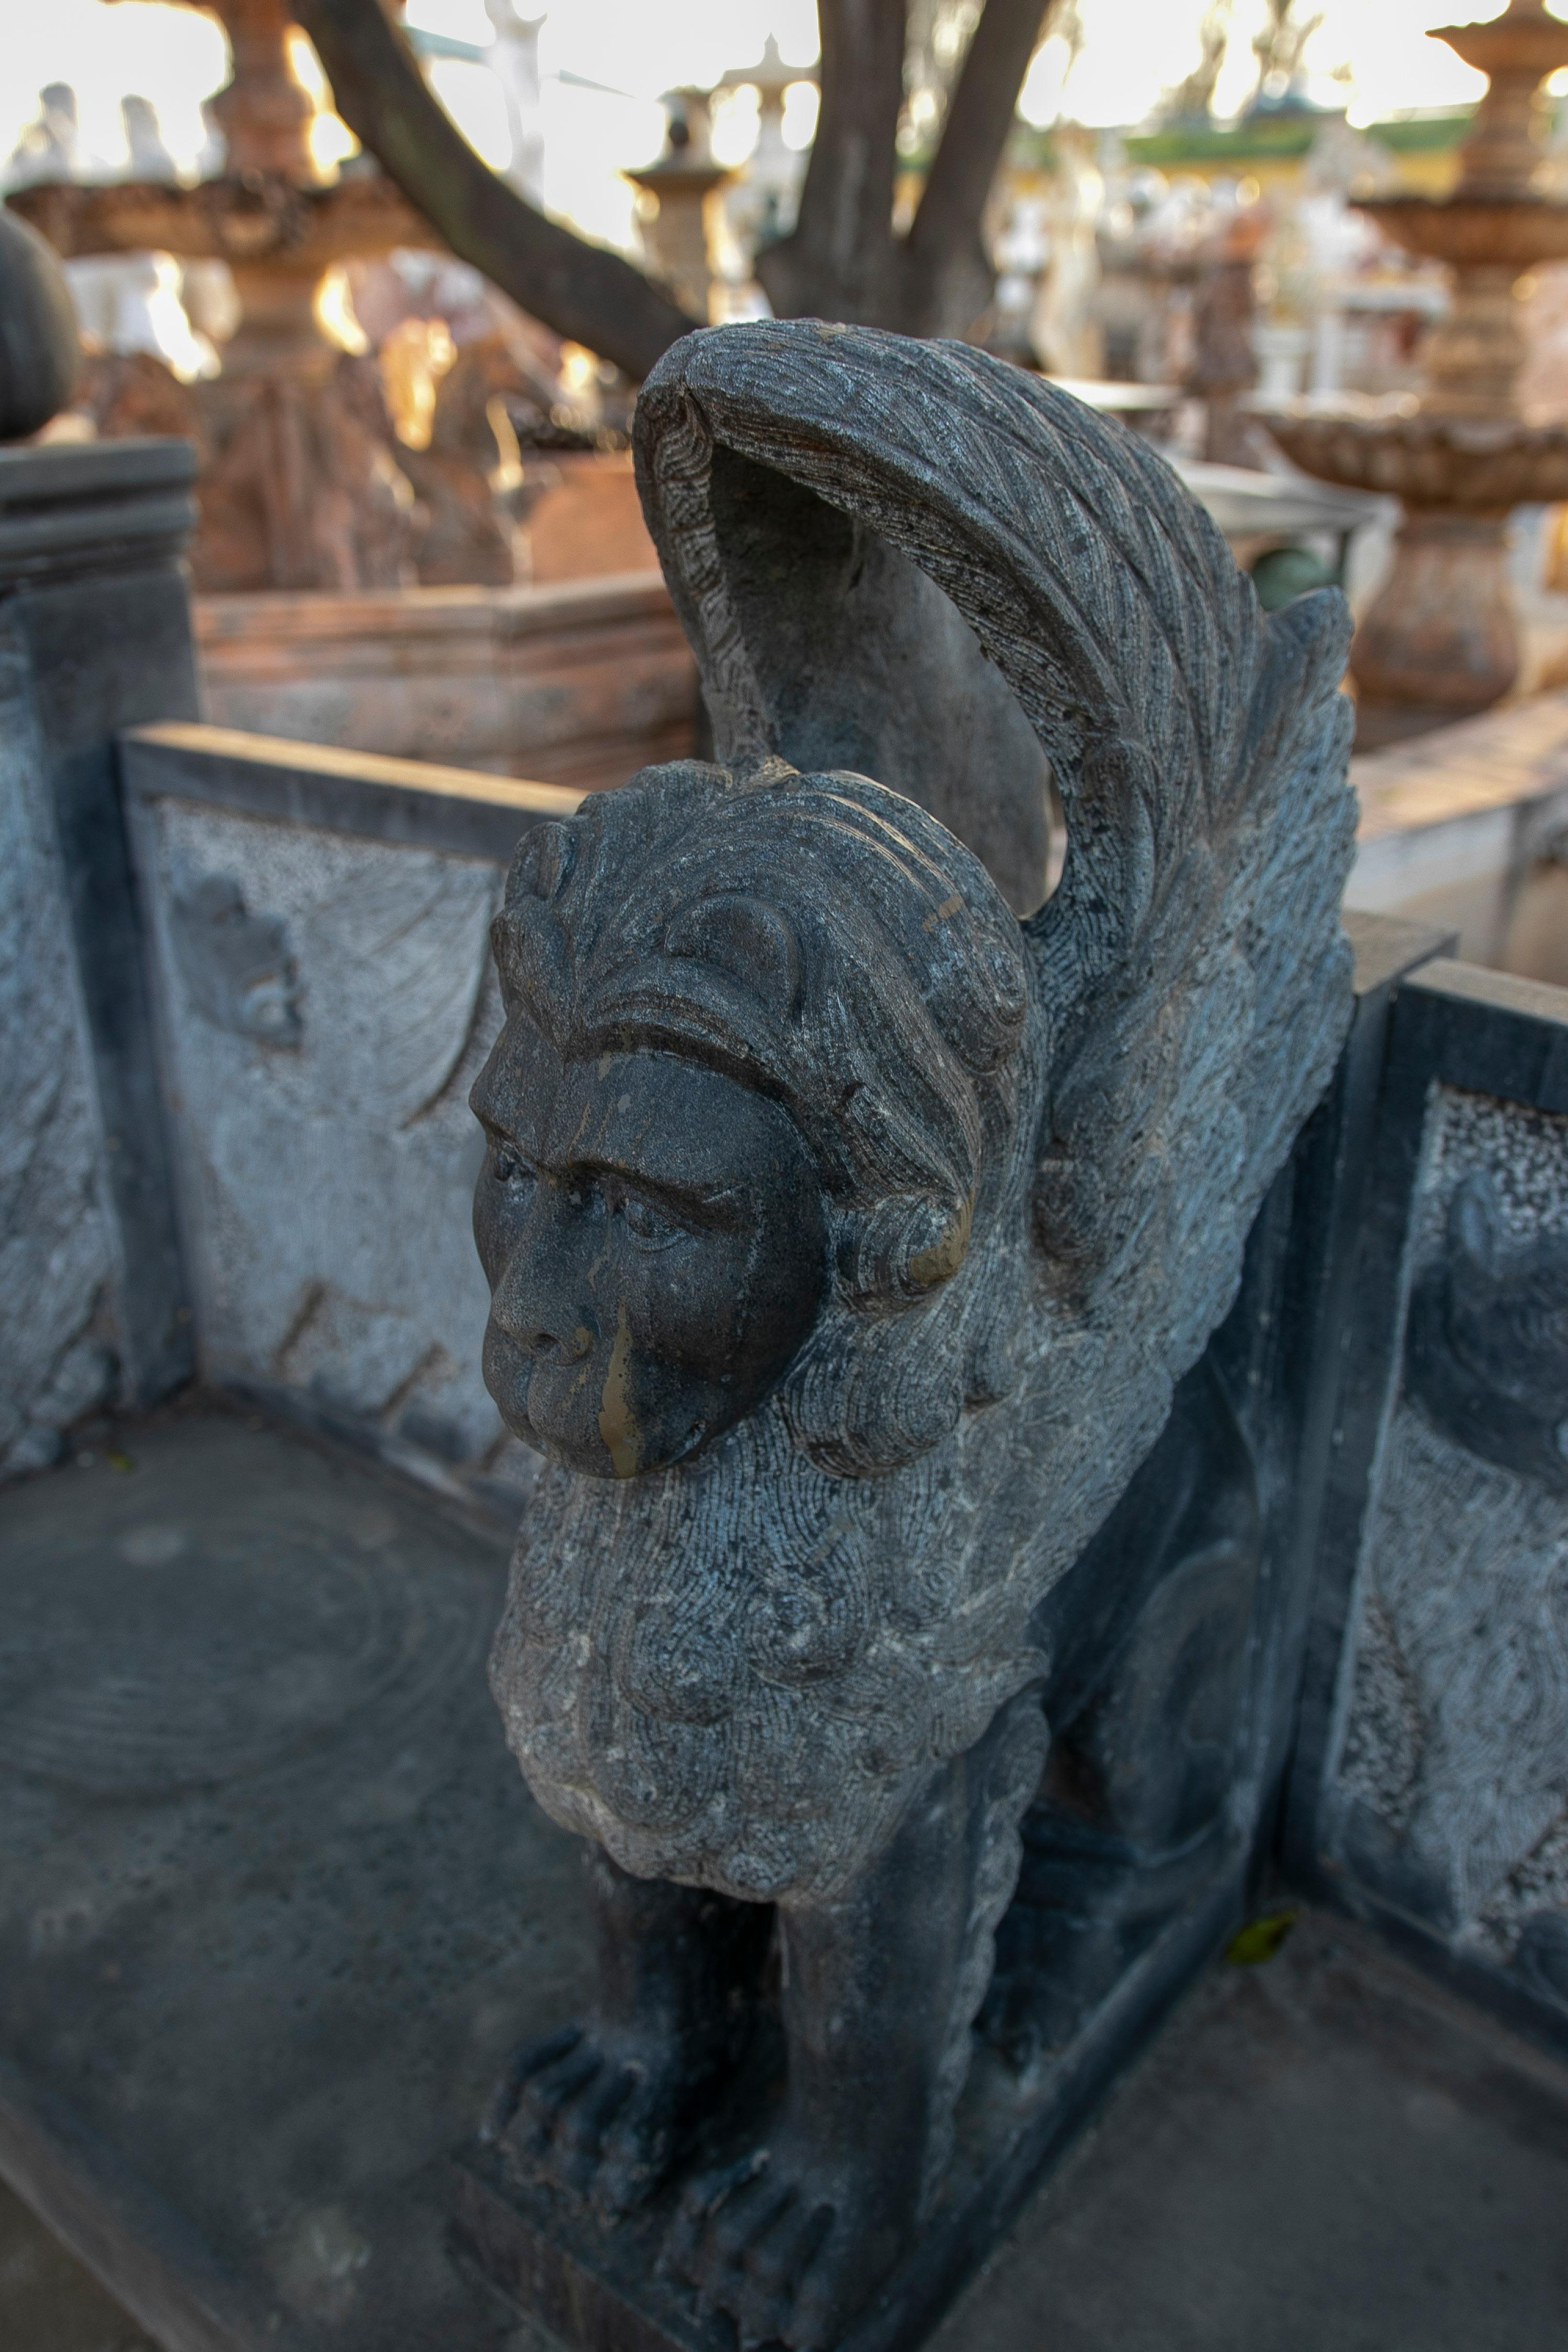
<point x="979" y="117"/>
<point x="838" y="263"/>
<point x="581" y="290"/>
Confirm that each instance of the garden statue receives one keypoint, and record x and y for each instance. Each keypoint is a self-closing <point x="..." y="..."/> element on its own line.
<point x="849" y="1239"/>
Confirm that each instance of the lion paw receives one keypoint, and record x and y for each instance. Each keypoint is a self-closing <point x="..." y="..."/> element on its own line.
<point x="790" y="2254"/>
<point x="604" y="2124"/>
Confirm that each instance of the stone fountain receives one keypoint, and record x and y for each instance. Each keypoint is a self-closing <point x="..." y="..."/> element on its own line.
<point x="1440" y="641"/>
<point x="300" y="485"/>
<point x="674" y="201"/>
<point x="307" y="625"/>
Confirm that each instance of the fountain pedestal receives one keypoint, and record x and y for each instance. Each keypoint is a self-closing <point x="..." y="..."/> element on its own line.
<point x="1440" y="640"/>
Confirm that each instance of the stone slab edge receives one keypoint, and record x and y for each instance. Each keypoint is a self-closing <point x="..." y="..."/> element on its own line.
<point x="461" y="810"/>
<point x="148" y="2257"/>
<point x="96" y="506"/>
<point x="554" y="607"/>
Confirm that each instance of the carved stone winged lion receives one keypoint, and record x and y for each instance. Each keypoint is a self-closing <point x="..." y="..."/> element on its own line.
<point x="848" y="1236"/>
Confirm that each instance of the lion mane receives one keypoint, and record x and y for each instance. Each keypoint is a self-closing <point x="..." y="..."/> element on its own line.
<point x="736" y="1671"/>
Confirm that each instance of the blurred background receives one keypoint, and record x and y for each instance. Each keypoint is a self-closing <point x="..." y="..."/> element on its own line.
<point x="1317" y="254"/>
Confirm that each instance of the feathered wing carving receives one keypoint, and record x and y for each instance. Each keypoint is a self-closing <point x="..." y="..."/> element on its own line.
<point x="1192" y="980"/>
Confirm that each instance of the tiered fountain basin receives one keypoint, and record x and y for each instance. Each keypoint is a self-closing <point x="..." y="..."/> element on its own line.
<point x="1473" y="231"/>
<point x="245" y="222"/>
<point x="1441" y="640"/>
<point x="1392" y="446"/>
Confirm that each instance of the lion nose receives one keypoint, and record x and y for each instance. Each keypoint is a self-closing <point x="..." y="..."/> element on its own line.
<point x="555" y="1348"/>
<point x="539" y="1304"/>
<point x="564" y="1339"/>
<point x="544" y="1295"/>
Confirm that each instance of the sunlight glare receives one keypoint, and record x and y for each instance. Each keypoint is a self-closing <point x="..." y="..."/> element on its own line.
<point x="604" y="64"/>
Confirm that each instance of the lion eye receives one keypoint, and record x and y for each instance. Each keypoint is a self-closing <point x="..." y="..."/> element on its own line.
<point x="644" y="1223"/>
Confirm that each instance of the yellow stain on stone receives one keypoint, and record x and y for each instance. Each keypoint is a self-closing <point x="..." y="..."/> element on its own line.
<point x="944" y="1259"/>
<point x="948" y="907"/>
<point x="617" y="1426"/>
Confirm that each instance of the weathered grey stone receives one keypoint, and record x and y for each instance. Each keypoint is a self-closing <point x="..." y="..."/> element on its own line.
<point x="274" y="1902"/>
<point x="324" y="1140"/>
<point x="56" y="1243"/>
<point x="860" y="661"/>
<point x="94" y="635"/>
<point x="846" y="1240"/>
<point x="235" y="966"/>
<point x="1430" y="1786"/>
<point x="270" y="1890"/>
<point x="317" y="922"/>
<point x="1453" y="1779"/>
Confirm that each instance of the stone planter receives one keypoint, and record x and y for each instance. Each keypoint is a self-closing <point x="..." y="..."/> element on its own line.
<point x="585" y="519"/>
<point x="581" y="683"/>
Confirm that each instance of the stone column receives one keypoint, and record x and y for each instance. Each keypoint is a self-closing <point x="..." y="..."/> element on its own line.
<point x="94" y="635"/>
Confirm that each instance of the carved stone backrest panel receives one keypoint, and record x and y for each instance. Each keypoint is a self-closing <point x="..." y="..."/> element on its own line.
<point x="1450" y="1791"/>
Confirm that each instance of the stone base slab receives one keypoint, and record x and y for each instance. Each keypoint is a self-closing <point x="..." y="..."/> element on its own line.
<point x="275" y="1906"/>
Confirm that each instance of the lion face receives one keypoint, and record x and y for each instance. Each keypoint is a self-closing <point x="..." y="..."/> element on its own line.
<point x="655" y="1244"/>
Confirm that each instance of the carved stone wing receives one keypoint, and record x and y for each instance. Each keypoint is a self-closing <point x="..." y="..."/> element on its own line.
<point x="1193" y="978"/>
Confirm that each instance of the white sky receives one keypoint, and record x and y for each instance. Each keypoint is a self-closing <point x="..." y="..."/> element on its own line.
<point x="1134" y="49"/>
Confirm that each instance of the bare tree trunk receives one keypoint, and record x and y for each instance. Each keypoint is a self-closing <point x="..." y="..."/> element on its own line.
<point x="947" y="277"/>
<point x="580" y="289"/>
<point x="842" y="260"/>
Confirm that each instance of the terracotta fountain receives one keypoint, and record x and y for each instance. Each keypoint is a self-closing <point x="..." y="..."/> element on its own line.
<point x="300" y="485"/>
<point x="1441" y="639"/>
